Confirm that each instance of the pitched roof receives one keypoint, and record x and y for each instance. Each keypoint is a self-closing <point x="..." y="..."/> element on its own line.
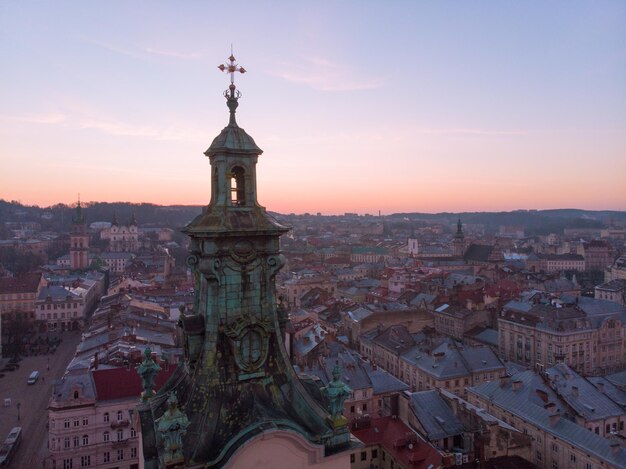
<point x="516" y="401"/>
<point x="119" y="383"/>
<point x="581" y="395"/>
<point x="435" y="416"/>
<point x="402" y="443"/>
<point x="23" y="284"/>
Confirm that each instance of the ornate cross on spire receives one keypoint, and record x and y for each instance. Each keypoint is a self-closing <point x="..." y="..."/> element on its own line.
<point x="232" y="67"/>
<point x="231" y="94"/>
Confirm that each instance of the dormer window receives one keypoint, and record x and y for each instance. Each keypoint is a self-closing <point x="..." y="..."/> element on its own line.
<point x="75" y="394"/>
<point x="237" y="186"/>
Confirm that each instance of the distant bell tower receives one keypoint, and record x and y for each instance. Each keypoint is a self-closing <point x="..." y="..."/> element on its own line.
<point x="244" y="403"/>
<point x="79" y="240"/>
<point x="458" y="243"/>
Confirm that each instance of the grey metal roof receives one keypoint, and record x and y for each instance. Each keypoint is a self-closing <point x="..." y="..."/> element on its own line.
<point x="56" y="293"/>
<point x="435" y="415"/>
<point x="488" y="336"/>
<point x="516" y="402"/>
<point x="359" y="314"/>
<point x="618" y="379"/>
<point x="520" y="306"/>
<point x="382" y="381"/>
<point x="581" y="395"/>
<point x="613" y="392"/>
<point x="446" y="365"/>
<point x="63" y="389"/>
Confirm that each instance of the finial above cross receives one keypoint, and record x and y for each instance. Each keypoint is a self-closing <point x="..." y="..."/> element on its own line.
<point x="231" y="68"/>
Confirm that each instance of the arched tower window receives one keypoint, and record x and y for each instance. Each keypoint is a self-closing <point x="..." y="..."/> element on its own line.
<point x="237" y="186"/>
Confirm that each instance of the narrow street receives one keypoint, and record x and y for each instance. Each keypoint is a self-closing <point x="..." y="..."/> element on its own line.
<point x="33" y="401"/>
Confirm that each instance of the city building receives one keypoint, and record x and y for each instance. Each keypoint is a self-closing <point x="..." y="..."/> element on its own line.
<point x="122" y="237"/>
<point x="527" y="404"/>
<point x="585" y="333"/>
<point x="92" y="419"/>
<point x="614" y="290"/>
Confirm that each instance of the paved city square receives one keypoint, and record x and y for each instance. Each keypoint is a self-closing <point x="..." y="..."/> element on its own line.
<point x="33" y="400"/>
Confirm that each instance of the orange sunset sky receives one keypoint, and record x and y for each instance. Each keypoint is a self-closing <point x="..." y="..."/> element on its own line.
<point x="358" y="106"/>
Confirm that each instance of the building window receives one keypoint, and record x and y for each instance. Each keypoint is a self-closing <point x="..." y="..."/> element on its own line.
<point x="85" y="420"/>
<point x="67" y="463"/>
<point x="106" y="436"/>
<point x="363" y="455"/>
<point x="572" y="457"/>
<point x="133" y="452"/>
<point x="237" y="186"/>
<point x="374" y="453"/>
<point x="133" y="433"/>
<point x="555" y="448"/>
<point x="106" y="417"/>
<point x="85" y="440"/>
<point x="120" y="435"/>
<point x="106" y="456"/>
<point x="76" y="441"/>
<point x="352" y="458"/>
<point x="66" y="423"/>
<point x="120" y="415"/>
<point x="76" y="422"/>
<point x="120" y="454"/>
<point x="85" y="461"/>
<point x="66" y="443"/>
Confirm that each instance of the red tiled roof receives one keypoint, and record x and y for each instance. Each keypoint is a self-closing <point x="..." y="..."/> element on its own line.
<point x="118" y="383"/>
<point x="24" y="284"/>
<point x="394" y="436"/>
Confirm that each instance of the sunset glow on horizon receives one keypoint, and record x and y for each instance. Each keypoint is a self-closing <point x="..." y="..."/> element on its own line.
<point x="359" y="107"/>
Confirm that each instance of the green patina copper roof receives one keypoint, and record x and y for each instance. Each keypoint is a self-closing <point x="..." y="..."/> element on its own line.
<point x="232" y="138"/>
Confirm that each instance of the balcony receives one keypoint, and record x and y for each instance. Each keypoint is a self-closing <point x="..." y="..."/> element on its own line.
<point x="119" y="443"/>
<point x="120" y="424"/>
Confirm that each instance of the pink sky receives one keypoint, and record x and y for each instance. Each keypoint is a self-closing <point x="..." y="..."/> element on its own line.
<point x="407" y="107"/>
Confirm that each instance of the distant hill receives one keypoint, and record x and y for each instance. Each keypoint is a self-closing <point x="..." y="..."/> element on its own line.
<point x="534" y="221"/>
<point x="58" y="217"/>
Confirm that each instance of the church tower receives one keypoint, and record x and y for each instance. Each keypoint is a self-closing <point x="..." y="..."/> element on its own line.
<point x="241" y="401"/>
<point x="458" y="243"/>
<point x="79" y="240"/>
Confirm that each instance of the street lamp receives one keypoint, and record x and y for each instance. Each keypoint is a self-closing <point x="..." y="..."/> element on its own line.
<point x="18" y="410"/>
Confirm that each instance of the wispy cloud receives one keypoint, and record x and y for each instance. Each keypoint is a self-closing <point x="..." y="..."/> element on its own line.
<point x="470" y="131"/>
<point x="113" y="127"/>
<point x="139" y="52"/>
<point x="52" y="118"/>
<point x="322" y="74"/>
<point x="174" y="54"/>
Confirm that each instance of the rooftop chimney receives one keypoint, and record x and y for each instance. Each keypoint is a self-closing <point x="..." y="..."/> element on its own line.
<point x="504" y="380"/>
<point x="615" y="447"/>
<point x="554" y="418"/>
<point x="575" y="391"/>
<point x="600" y="386"/>
<point x="517" y="385"/>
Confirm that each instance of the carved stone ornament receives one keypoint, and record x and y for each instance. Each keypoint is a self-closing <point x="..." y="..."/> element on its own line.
<point x="249" y="337"/>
